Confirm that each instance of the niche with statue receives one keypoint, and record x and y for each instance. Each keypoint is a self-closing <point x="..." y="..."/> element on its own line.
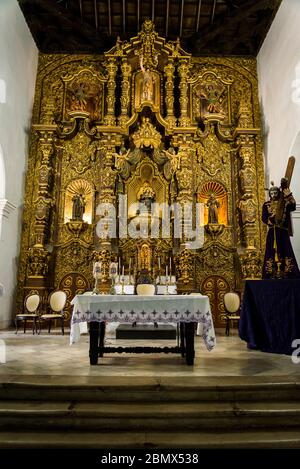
<point x="78" y="209"/>
<point x="215" y="200"/>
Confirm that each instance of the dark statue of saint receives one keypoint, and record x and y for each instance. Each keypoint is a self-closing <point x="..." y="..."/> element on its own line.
<point x="213" y="207"/>
<point x="78" y="207"/>
<point x="279" y="261"/>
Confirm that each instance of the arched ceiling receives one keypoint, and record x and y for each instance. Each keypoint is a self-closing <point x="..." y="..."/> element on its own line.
<point x="205" y="27"/>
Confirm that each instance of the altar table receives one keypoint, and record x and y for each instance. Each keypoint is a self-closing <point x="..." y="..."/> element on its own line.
<point x="183" y="309"/>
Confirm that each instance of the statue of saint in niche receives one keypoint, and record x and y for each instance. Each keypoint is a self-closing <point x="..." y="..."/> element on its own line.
<point x="78" y="208"/>
<point x="148" y="82"/>
<point x="146" y="195"/>
<point x="213" y="207"/>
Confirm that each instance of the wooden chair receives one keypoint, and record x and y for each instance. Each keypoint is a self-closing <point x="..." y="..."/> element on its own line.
<point x="31" y="305"/>
<point x="232" y="303"/>
<point x="57" y="302"/>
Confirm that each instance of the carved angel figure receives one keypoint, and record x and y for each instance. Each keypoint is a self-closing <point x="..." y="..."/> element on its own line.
<point x="121" y="162"/>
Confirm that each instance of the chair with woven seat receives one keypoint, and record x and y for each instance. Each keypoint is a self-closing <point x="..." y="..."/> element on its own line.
<point x="31" y="306"/>
<point x="232" y="303"/>
<point x="57" y="303"/>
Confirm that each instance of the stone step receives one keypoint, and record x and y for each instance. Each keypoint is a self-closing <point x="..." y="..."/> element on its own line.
<point x="147" y="417"/>
<point x="147" y="389"/>
<point x="279" y="439"/>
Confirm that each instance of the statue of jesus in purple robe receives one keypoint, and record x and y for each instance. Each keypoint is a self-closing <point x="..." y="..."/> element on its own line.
<point x="279" y="261"/>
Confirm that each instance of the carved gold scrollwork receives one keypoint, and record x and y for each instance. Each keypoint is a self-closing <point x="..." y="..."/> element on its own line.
<point x="146" y="135"/>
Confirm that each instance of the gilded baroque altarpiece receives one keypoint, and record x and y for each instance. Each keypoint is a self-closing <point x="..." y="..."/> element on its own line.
<point x="146" y="119"/>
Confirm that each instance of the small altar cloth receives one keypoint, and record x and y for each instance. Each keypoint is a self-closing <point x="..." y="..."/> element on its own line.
<point x="144" y="309"/>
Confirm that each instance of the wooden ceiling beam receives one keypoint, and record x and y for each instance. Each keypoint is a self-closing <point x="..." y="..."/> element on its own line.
<point x="181" y="18"/>
<point x="138" y="12"/>
<point x="80" y="9"/>
<point x="109" y="16"/>
<point x="96" y="14"/>
<point x="153" y="10"/>
<point x="208" y="34"/>
<point x="198" y="15"/>
<point x="213" y="11"/>
<point x="167" y="17"/>
<point x="54" y="19"/>
<point x="124" y="16"/>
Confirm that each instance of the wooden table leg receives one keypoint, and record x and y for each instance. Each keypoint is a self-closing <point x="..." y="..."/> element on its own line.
<point x="101" y="337"/>
<point x="189" y="342"/>
<point x="94" y="340"/>
<point x="182" y="341"/>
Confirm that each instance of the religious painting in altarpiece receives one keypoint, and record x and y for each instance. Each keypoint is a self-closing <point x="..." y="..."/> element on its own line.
<point x="152" y="123"/>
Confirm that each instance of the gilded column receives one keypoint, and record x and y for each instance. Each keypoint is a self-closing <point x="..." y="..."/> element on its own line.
<point x="169" y="93"/>
<point x="248" y="202"/>
<point x="111" y="86"/>
<point x="183" y="70"/>
<point x="185" y="259"/>
<point x="38" y="256"/>
<point x="125" y="97"/>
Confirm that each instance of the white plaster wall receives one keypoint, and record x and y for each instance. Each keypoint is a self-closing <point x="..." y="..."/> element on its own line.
<point x="18" y="65"/>
<point x="278" y="65"/>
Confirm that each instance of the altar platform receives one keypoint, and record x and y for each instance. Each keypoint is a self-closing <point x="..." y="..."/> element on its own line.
<point x="231" y="397"/>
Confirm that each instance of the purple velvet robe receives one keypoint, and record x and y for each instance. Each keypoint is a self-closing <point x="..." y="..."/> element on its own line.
<point x="280" y="229"/>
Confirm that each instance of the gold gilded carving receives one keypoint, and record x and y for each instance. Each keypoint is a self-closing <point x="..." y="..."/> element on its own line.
<point x="80" y="153"/>
<point x="169" y="90"/>
<point x="215" y="258"/>
<point x="251" y="264"/>
<point x="146" y="135"/>
<point x="125" y="97"/>
<point x="211" y="155"/>
<point x="75" y="257"/>
<point x="183" y="71"/>
<point x="185" y="265"/>
<point x="38" y="259"/>
<point x="75" y="227"/>
<point x="147" y="50"/>
<point x="105" y="257"/>
<point x="111" y="86"/>
<point x="245" y="116"/>
<point x="248" y="210"/>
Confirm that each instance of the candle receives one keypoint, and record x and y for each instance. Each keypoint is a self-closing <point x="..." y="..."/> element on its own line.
<point x="166" y="272"/>
<point x="129" y="270"/>
<point x="159" y="263"/>
<point x="123" y="272"/>
<point x="119" y="272"/>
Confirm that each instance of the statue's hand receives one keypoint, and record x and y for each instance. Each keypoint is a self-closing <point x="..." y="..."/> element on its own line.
<point x="286" y="192"/>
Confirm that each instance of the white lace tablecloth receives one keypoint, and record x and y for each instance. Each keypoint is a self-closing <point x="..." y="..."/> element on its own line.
<point x="143" y="309"/>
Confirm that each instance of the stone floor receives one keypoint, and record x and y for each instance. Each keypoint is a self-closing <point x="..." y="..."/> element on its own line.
<point x="51" y="355"/>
